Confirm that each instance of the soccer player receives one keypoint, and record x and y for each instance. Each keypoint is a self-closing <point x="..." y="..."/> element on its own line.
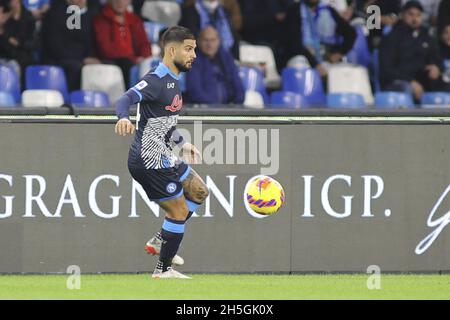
<point x="166" y="179"/>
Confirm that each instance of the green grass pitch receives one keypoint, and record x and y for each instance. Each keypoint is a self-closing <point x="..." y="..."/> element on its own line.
<point x="204" y="287"/>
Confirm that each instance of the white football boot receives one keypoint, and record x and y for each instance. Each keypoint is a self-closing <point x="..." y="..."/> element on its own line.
<point x="153" y="246"/>
<point x="169" y="274"/>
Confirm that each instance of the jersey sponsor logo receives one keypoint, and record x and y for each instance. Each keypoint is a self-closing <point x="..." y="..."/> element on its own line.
<point x="171" y="85"/>
<point x="141" y="85"/>
<point x="177" y="104"/>
<point x="171" y="187"/>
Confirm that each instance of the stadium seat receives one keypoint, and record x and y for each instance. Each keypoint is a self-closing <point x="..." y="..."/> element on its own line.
<point x="164" y="12"/>
<point x="261" y="55"/>
<point x="347" y="78"/>
<point x="436" y="99"/>
<point x="254" y="100"/>
<point x="134" y="76"/>
<point x="10" y="82"/>
<point x="391" y="100"/>
<point x="307" y="83"/>
<point x="298" y="62"/>
<point x="153" y="29"/>
<point x="89" y="99"/>
<point x="42" y="98"/>
<point x="6" y="100"/>
<point x="345" y="101"/>
<point x="360" y="53"/>
<point x="44" y="77"/>
<point x="253" y="80"/>
<point x="286" y="99"/>
<point x="103" y="77"/>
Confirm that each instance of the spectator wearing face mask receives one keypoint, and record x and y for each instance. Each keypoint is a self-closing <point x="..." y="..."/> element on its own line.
<point x="198" y="14"/>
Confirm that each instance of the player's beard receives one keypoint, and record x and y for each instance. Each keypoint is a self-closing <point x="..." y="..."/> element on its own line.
<point x="182" y="67"/>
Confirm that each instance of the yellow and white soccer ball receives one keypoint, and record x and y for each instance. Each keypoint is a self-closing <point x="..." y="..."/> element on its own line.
<point x="265" y="195"/>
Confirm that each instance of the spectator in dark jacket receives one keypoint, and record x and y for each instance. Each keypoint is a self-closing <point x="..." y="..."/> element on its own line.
<point x="443" y="15"/>
<point x="445" y="42"/>
<point x="409" y="57"/>
<point x="198" y="14"/>
<point x="120" y="36"/>
<point x="18" y="30"/>
<point x="259" y="21"/>
<point x="445" y="51"/>
<point x="317" y="32"/>
<point x="214" y="77"/>
<point x="7" y="49"/>
<point x="71" y="48"/>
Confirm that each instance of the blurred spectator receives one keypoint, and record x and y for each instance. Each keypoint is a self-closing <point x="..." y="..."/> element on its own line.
<point x="20" y="27"/>
<point x="198" y="14"/>
<point x="7" y="49"/>
<point x="38" y="7"/>
<point x="69" y="48"/>
<point x="409" y="57"/>
<point x="317" y="32"/>
<point x="445" y="42"/>
<point x="443" y="15"/>
<point x="390" y="10"/>
<point x="445" y="51"/>
<point x="259" y="21"/>
<point x="430" y="11"/>
<point x="214" y="77"/>
<point x="137" y="6"/>
<point x="120" y="36"/>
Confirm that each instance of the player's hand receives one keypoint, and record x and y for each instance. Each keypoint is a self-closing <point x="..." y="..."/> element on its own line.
<point x="191" y="155"/>
<point x="124" y="127"/>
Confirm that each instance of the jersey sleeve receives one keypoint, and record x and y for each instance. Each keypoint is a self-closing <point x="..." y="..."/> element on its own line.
<point x="149" y="88"/>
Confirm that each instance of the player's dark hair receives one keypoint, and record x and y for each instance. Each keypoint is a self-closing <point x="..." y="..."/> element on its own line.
<point x="176" y="34"/>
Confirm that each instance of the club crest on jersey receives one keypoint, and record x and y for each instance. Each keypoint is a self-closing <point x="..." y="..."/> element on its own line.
<point x="171" y="187"/>
<point x="177" y="104"/>
<point x="141" y="85"/>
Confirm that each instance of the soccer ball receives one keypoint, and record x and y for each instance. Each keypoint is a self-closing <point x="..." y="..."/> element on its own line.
<point x="265" y="195"/>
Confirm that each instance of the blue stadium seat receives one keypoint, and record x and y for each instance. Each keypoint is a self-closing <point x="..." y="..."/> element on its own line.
<point x="390" y="99"/>
<point x="345" y="101"/>
<point x="42" y="77"/>
<point x="253" y="80"/>
<point x="10" y="82"/>
<point x="153" y="29"/>
<point x="134" y="75"/>
<point x="360" y="53"/>
<point x="6" y="99"/>
<point x="306" y="82"/>
<point x="286" y="99"/>
<point x="34" y="4"/>
<point x="436" y="99"/>
<point x="89" y="99"/>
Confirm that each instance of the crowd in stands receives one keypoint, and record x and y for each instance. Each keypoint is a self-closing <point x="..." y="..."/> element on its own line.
<point x="288" y="53"/>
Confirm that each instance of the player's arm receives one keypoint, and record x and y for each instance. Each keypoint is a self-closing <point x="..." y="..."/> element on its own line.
<point x="124" y="125"/>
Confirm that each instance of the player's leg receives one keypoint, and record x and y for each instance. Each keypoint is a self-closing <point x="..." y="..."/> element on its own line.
<point x="172" y="233"/>
<point x="195" y="191"/>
